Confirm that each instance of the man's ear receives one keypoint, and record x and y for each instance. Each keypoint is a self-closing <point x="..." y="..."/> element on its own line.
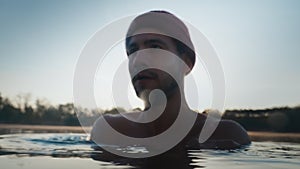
<point x="188" y="62"/>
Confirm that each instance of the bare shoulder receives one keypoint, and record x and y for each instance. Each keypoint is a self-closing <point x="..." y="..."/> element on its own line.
<point x="100" y="127"/>
<point x="231" y="130"/>
<point x="114" y="119"/>
<point x="104" y="125"/>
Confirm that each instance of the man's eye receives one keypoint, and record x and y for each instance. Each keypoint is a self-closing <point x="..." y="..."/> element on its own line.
<point x="132" y="50"/>
<point x="155" y="46"/>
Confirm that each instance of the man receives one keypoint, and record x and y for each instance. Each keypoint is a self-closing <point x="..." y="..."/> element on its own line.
<point x="160" y="38"/>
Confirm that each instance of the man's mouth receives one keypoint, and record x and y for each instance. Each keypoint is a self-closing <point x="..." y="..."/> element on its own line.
<point x="144" y="75"/>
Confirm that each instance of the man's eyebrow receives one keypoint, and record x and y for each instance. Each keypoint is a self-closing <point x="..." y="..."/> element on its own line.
<point x="147" y="42"/>
<point x="132" y="44"/>
<point x="150" y="41"/>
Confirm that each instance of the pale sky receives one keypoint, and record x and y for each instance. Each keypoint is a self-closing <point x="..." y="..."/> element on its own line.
<point x="258" y="44"/>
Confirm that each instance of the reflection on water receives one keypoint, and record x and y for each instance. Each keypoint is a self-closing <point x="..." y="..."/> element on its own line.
<point x="35" y="149"/>
<point x="178" y="158"/>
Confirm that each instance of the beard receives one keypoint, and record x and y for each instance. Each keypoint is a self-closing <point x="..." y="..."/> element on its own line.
<point x="168" y="86"/>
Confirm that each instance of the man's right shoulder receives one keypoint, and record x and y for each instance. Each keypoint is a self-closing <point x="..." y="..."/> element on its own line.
<point x="110" y="119"/>
<point x="103" y="125"/>
<point x="116" y="119"/>
<point x="102" y="128"/>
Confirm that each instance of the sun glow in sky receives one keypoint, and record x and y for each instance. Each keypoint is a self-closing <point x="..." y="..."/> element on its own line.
<point x="258" y="43"/>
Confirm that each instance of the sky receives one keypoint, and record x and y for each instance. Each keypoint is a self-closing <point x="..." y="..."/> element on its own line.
<point x="258" y="45"/>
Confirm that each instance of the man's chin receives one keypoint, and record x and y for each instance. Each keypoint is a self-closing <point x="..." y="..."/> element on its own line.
<point x="144" y="93"/>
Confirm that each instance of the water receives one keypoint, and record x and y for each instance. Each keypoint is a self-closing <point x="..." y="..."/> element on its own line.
<point x="36" y="151"/>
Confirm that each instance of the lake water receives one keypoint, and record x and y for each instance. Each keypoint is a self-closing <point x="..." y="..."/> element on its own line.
<point x="71" y="151"/>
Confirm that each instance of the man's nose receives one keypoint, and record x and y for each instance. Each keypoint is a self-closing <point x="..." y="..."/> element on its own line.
<point x="139" y="59"/>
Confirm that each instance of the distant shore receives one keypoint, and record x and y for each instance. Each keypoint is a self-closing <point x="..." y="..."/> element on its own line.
<point x="274" y="136"/>
<point x="20" y="128"/>
<point x="24" y="128"/>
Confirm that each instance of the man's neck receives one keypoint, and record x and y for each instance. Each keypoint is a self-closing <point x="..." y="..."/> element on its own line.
<point x="174" y="104"/>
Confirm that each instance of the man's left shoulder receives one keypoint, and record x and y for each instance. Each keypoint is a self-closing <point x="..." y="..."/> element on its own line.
<point x="231" y="130"/>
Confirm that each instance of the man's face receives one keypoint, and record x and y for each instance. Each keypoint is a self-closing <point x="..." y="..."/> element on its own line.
<point x="150" y="79"/>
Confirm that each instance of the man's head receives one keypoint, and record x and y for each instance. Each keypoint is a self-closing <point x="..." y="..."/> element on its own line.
<point x="158" y="30"/>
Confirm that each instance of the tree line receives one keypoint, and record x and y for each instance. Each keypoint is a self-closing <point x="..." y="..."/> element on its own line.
<point x="40" y="113"/>
<point x="282" y="119"/>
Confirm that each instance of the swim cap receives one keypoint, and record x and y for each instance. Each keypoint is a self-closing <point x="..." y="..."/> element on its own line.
<point x="165" y="23"/>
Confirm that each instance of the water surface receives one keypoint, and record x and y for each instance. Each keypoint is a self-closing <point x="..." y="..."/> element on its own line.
<point x="62" y="150"/>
